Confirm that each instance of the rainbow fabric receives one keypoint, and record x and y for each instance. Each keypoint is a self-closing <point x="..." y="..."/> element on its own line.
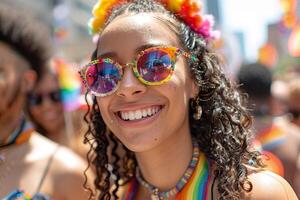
<point x="70" y="85"/>
<point x="18" y="195"/>
<point x="271" y="137"/>
<point x="196" y="188"/>
<point x="131" y="190"/>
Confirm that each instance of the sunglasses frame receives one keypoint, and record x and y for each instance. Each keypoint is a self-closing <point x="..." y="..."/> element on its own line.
<point x="173" y="52"/>
<point x="49" y="95"/>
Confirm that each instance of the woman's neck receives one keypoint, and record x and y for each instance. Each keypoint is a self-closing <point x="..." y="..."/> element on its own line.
<point x="165" y="165"/>
<point x="59" y="135"/>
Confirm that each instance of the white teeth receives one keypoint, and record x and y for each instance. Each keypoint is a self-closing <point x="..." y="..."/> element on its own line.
<point x="139" y="114"/>
<point x="149" y="111"/>
<point x="131" y="115"/>
<point x="126" y="116"/>
<point x="145" y="113"/>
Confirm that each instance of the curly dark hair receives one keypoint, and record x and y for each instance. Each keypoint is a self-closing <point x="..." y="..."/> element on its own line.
<point x="25" y="35"/>
<point x="222" y="132"/>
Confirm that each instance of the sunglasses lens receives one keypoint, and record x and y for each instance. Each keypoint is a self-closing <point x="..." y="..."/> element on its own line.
<point x="55" y="96"/>
<point x="35" y="100"/>
<point x="103" y="78"/>
<point x="155" y="65"/>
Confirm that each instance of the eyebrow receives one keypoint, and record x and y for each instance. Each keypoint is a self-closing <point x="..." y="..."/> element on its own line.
<point x="137" y="50"/>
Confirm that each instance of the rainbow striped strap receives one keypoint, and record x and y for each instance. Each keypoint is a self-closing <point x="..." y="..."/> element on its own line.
<point x="198" y="185"/>
<point x="131" y="189"/>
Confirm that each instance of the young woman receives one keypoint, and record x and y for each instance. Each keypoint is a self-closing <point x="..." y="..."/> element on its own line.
<point x="47" y="112"/>
<point x="46" y="108"/>
<point x="165" y="122"/>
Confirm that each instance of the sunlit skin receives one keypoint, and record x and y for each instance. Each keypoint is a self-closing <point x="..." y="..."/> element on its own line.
<point x="49" y="114"/>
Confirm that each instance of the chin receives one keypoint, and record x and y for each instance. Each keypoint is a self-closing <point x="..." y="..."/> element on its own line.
<point x="140" y="143"/>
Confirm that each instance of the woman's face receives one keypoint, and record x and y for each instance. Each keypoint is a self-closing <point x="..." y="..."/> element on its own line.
<point x="47" y="109"/>
<point x="166" y="105"/>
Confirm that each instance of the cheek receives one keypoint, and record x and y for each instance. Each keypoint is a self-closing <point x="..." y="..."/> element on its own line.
<point x="7" y="86"/>
<point x="178" y="95"/>
<point x="36" y="112"/>
<point x="59" y="107"/>
<point x="180" y="87"/>
<point x="103" y="104"/>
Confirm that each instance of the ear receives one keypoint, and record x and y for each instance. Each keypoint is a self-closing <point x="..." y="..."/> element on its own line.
<point x="195" y="89"/>
<point x="29" y="80"/>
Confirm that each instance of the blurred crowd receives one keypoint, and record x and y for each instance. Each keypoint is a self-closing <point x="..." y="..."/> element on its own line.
<point x="275" y="104"/>
<point x="42" y="104"/>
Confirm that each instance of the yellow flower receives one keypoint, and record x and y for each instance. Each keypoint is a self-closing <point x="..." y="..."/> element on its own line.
<point x="175" y="5"/>
<point x="102" y="7"/>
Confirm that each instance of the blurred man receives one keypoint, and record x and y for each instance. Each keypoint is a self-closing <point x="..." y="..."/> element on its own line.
<point x="279" y="145"/>
<point x="31" y="167"/>
<point x="291" y="124"/>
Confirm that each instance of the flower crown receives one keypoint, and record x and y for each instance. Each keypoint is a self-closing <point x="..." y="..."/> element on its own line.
<point x="189" y="11"/>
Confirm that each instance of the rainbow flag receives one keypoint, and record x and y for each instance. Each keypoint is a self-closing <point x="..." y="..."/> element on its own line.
<point x="271" y="137"/>
<point x="70" y="85"/>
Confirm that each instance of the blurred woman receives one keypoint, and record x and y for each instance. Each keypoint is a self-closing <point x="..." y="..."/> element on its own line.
<point x="46" y="109"/>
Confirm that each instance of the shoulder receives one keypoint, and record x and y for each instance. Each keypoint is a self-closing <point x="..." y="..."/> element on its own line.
<point x="267" y="185"/>
<point x="62" y="157"/>
<point x="66" y="169"/>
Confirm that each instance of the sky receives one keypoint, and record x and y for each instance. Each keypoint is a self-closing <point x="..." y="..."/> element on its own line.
<point x="250" y="17"/>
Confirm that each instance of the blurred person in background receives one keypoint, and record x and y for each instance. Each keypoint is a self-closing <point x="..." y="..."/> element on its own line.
<point x="31" y="166"/>
<point x="290" y="153"/>
<point x="277" y="144"/>
<point x="294" y="100"/>
<point x="46" y="110"/>
<point x="279" y="97"/>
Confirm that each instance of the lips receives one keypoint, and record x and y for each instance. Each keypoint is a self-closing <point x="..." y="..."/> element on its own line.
<point x="138" y="113"/>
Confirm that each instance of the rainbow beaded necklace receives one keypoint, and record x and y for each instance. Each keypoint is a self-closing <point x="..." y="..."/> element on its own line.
<point x="195" y="188"/>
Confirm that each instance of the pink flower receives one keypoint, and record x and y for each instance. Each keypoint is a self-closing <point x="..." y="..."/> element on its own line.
<point x="206" y="28"/>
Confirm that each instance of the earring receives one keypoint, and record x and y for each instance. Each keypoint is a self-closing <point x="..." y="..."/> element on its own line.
<point x="197" y="107"/>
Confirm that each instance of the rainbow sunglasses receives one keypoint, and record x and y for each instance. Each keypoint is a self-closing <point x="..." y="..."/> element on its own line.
<point x="152" y="66"/>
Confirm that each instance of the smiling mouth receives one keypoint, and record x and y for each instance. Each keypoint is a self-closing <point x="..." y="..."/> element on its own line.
<point x="139" y="114"/>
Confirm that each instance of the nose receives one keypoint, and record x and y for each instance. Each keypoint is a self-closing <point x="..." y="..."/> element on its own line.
<point x="130" y="86"/>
